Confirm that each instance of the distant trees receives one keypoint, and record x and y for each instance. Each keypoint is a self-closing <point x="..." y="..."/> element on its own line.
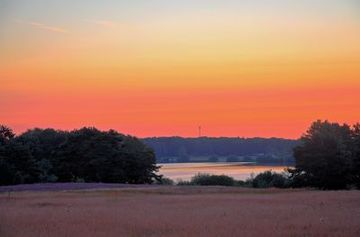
<point x="88" y="155"/>
<point x="261" y="150"/>
<point x="267" y="179"/>
<point x="328" y="157"/>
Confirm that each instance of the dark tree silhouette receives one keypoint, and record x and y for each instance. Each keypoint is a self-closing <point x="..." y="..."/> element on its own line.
<point x="42" y="144"/>
<point x="266" y="150"/>
<point x="6" y="133"/>
<point x="94" y="156"/>
<point x="88" y="155"/>
<point x="355" y="171"/>
<point x="16" y="162"/>
<point x="327" y="156"/>
<point x="324" y="158"/>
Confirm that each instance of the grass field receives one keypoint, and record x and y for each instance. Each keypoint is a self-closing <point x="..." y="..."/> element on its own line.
<point x="179" y="211"/>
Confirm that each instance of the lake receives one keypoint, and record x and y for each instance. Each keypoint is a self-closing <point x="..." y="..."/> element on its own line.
<point x="237" y="170"/>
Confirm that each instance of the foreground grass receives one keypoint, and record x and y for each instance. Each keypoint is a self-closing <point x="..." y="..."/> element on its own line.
<point x="180" y="211"/>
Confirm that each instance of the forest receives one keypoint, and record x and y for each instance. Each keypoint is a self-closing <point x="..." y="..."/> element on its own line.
<point x="223" y="149"/>
<point x="84" y="155"/>
<point x="327" y="156"/>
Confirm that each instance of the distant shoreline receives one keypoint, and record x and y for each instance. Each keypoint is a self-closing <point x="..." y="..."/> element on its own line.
<point x="237" y="170"/>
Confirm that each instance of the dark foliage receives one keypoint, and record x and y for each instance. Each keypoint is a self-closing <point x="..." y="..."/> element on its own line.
<point x="96" y="156"/>
<point x="88" y="155"/>
<point x="184" y="183"/>
<point x="164" y="181"/>
<point x="355" y="166"/>
<point x="269" y="179"/>
<point x="16" y="162"/>
<point x="328" y="157"/>
<point x="260" y="150"/>
<point x="214" y="180"/>
<point x="266" y="179"/>
<point x="43" y="143"/>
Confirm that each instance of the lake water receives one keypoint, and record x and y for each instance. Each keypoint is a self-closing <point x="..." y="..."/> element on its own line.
<point x="237" y="170"/>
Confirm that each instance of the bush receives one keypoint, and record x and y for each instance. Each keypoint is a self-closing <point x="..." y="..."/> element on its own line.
<point x="266" y="179"/>
<point x="184" y="183"/>
<point x="164" y="181"/>
<point x="244" y="184"/>
<point x="270" y="179"/>
<point x="218" y="180"/>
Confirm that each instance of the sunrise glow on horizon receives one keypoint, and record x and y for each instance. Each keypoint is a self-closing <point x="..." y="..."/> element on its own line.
<point x="162" y="68"/>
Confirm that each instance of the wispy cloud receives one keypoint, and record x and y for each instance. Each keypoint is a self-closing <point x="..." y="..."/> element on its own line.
<point x="43" y="26"/>
<point x="48" y="27"/>
<point x="104" y="23"/>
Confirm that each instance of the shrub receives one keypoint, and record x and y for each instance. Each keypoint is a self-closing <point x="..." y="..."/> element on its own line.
<point x="206" y="179"/>
<point x="183" y="183"/>
<point x="269" y="179"/>
<point x="164" y="181"/>
<point x="245" y="184"/>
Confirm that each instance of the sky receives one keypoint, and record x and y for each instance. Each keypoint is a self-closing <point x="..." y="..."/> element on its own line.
<point x="250" y="68"/>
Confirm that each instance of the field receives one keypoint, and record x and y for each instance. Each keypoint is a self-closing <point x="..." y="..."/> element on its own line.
<point x="177" y="211"/>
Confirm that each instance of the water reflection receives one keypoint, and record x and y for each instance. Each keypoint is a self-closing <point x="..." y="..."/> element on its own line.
<point x="237" y="170"/>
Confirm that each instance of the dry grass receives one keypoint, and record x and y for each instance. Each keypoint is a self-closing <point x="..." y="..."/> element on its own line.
<point x="180" y="211"/>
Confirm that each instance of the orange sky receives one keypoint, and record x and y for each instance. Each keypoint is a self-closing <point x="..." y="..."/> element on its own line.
<point x="256" y="68"/>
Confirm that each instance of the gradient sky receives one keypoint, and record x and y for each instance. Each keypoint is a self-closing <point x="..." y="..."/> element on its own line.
<point x="159" y="68"/>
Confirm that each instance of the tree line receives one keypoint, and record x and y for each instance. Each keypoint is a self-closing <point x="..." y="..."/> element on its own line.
<point x="84" y="155"/>
<point x="327" y="156"/>
<point x="260" y="150"/>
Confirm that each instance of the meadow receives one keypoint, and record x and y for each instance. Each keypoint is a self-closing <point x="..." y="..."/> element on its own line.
<point x="178" y="211"/>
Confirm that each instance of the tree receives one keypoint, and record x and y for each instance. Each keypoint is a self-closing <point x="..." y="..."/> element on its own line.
<point x="16" y="163"/>
<point x="48" y="155"/>
<point x="355" y="171"/>
<point x="96" y="156"/>
<point x="208" y="179"/>
<point x="323" y="159"/>
<point x="42" y="144"/>
<point x="182" y="149"/>
<point x="6" y="134"/>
